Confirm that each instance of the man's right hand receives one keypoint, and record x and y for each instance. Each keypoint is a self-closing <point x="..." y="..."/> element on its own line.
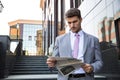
<point x="51" y="62"/>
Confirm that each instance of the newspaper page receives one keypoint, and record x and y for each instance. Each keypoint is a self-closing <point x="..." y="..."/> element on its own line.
<point x="67" y="65"/>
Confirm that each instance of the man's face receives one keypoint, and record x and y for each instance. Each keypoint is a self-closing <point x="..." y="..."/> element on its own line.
<point x="74" y="23"/>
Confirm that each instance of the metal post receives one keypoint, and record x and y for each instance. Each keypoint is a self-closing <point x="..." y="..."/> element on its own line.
<point x="17" y="31"/>
<point x="55" y="18"/>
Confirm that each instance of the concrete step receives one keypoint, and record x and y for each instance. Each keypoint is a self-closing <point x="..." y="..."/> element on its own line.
<point x="33" y="72"/>
<point x="44" y="77"/>
<point x="32" y="77"/>
<point x="31" y="65"/>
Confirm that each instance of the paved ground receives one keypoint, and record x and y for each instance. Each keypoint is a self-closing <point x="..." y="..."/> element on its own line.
<point x="54" y="76"/>
<point x="48" y="76"/>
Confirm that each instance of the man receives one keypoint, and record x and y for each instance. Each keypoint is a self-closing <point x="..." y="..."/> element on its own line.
<point x="88" y="49"/>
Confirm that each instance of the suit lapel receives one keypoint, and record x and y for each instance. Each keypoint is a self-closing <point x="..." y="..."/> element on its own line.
<point x="85" y="43"/>
<point x="68" y="44"/>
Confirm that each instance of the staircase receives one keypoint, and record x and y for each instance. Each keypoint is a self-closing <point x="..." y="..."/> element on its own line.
<point x="35" y="68"/>
<point x="32" y="68"/>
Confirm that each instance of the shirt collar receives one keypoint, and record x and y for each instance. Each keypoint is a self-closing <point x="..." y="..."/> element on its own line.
<point x="80" y="33"/>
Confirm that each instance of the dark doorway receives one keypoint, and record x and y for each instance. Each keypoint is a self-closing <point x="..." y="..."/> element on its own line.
<point x="117" y="31"/>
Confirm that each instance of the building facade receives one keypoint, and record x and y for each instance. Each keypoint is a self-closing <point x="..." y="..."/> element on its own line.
<point x="53" y="20"/>
<point x="27" y="31"/>
<point x="100" y="18"/>
<point x="39" y="42"/>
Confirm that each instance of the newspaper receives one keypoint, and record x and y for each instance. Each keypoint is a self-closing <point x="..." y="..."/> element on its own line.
<point x="67" y="65"/>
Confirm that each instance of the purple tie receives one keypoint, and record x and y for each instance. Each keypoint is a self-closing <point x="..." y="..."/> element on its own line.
<point x="76" y="46"/>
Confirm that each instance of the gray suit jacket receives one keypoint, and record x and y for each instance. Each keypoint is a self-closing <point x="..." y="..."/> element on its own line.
<point x="91" y="51"/>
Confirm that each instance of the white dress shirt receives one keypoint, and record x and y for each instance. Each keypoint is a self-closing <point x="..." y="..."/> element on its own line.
<point x="80" y="54"/>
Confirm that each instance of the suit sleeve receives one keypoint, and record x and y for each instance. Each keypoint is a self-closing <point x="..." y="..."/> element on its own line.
<point x="98" y="63"/>
<point x="56" y="48"/>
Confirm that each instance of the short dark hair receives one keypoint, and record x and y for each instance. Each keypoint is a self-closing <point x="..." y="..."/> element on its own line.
<point x="73" y="12"/>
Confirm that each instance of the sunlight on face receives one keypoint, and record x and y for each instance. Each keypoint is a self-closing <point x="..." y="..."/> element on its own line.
<point x="74" y="23"/>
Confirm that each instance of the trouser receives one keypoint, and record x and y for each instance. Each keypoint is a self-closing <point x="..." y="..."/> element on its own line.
<point x="86" y="77"/>
<point x="82" y="78"/>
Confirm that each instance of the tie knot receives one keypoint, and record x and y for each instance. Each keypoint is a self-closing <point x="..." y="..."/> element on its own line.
<point x="76" y="34"/>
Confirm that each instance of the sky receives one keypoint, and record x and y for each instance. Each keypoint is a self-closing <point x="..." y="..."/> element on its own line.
<point x="18" y="9"/>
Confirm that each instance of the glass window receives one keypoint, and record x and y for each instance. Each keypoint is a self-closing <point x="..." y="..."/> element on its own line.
<point x="29" y="38"/>
<point x="35" y="38"/>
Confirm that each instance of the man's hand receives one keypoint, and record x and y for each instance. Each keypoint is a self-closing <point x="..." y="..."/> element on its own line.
<point x="51" y="62"/>
<point x="87" y="68"/>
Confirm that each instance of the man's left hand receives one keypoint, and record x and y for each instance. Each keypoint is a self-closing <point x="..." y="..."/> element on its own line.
<point x="87" y="68"/>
